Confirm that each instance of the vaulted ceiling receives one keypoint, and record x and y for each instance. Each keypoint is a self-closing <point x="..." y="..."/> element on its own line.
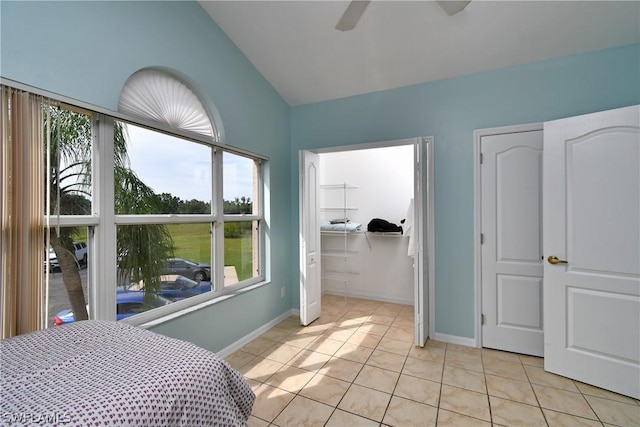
<point x="295" y="45"/>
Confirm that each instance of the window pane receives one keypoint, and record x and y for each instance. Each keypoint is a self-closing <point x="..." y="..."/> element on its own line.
<point x="166" y="174"/>
<point x="174" y="258"/>
<point x="69" y="261"/>
<point x="240" y="251"/>
<point x="240" y="184"/>
<point x="69" y="156"/>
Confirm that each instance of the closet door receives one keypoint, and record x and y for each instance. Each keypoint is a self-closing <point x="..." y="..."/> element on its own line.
<point x="422" y="236"/>
<point x="310" y="284"/>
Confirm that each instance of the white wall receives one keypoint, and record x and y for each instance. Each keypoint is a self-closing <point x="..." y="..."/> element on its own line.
<point x="384" y="181"/>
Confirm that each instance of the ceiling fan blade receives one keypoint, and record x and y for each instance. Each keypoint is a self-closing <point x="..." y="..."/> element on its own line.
<point x="352" y="15"/>
<point x="451" y="7"/>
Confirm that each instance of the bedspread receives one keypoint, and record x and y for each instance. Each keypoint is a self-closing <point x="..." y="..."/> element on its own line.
<point x="100" y="373"/>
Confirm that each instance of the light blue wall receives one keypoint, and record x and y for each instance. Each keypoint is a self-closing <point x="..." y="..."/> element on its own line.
<point x="450" y="110"/>
<point x="87" y="50"/>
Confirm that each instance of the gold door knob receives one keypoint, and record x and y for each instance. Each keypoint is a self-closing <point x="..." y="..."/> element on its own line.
<point x="555" y="260"/>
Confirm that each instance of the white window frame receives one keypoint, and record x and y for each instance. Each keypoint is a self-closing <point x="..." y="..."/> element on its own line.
<point x="103" y="221"/>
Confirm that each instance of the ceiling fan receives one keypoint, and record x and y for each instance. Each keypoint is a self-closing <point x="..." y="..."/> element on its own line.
<point x="356" y="8"/>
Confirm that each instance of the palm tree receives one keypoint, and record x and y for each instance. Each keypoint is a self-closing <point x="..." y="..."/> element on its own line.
<point x="141" y="250"/>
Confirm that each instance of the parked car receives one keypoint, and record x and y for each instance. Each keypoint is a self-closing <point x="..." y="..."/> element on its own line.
<point x="176" y="287"/>
<point x="190" y="269"/>
<point x="80" y="251"/>
<point x="128" y="303"/>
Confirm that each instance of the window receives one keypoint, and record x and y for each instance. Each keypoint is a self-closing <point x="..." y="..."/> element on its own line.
<point x="156" y="220"/>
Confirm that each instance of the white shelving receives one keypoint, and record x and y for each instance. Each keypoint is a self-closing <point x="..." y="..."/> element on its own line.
<point x="338" y="207"/>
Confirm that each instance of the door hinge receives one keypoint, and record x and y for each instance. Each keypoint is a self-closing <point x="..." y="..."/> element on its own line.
<point x="482" y="238"/>
<point x="482" y="319"/>
<point x="481" y="158"/>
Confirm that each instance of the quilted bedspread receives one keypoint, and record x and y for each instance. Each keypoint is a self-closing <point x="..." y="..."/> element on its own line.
<point x="101" y="373"/>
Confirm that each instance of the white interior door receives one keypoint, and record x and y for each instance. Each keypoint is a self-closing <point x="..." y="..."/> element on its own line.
<point x="310" y="284"/>
<point x="592" y="226"/>
<point x="422" y="236"/>
<point x="511" y="244"/>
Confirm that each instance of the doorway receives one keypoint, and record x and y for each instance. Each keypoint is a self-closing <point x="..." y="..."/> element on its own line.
<point x="350" y="200"/>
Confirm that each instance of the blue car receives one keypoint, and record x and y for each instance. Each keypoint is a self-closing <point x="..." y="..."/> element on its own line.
<point x="176" y="287"/>
<point x="128" y="303"/>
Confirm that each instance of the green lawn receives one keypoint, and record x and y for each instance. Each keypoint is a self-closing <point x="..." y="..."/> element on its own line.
<point x="193" y="242"/>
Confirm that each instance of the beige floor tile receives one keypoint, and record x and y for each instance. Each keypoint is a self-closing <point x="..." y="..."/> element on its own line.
<point x="518" y="391"/>
<point x="400" y="334"/>
<point x="509" y="413"/>
<point x="377" y="379"/>
<point x="309" y="360"/>
<point x="491" y="355"/>
<point x="434" y="343"/>
<point x="452" y="419"/>
<point x="325" y="389"/>
<point x="342" y="419"/>
<point x="341" y="369"/>
<point x="365" y="402"/>
<point x="428" y="353"/>
<point x="559" y="419"/>
<point x="258" y="345"/>
<point x="387" y="310"/>
<point x="404" y="323"/>
<point x="365" y="340"/>
<point x="386" y="360"/>
<point x="256" y="422"/>
<point x="373" y="329"/>
<point x="394" y="346"/>
<point x="239" y="359"/>
<point x="260" y="369"/>
<point x="339" y="334"/>
<point x="465" y="402"/>
<point x="539" y="376"/>
<point x="276" y="334"/>
<point x="464" y="349"/>
<point x="423" y="369"/>
<point x="381" y="319"/>
<point x="290" y="378"/>
<point x="605" y="394"/>
<point x="325" y="345"/>
<point x="289" y="323"/>
<point x="506" y="369"/>
<point x="532" y="360"/>
<point x="417" y="389"/>
<point x="302" y="340"/>
<point x="253" y="384"/>
<point x="281" y="353"/>
<point x="563" y="401"/>
<point x="270" y="401"/>
<point x="304" y="412"/>
<point x="464" y="378"/>
<point x="348" y="322"/>
<point x="404" y="412"/>
<point x="617" y="413"/>
<point x="354" y="352"/>
<point x="463" y="360"/>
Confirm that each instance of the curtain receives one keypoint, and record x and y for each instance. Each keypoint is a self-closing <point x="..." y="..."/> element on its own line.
<point x="22" y="221"/>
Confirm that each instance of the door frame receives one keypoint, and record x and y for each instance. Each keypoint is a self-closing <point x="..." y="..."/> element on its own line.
<point x="428" y="216"/>
<point x="477" y="215"/>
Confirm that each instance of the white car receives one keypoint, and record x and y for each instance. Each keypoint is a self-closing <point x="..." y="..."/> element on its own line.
<point x="80" y="251"/>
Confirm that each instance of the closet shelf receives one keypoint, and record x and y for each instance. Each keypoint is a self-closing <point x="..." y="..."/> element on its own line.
<point x="338" y="254"/>
<point x="340" y="276"/>
<point x="338" y="209"/>
<point x="338" y="187"/>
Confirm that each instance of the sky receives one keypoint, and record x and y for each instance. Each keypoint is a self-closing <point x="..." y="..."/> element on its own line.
<point x="183" y="168"/>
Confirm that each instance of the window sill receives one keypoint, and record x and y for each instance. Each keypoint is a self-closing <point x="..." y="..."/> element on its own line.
<point x="145" y="322"/>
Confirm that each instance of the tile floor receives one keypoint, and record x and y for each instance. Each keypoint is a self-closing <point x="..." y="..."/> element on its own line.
<point x="356" y="366"/>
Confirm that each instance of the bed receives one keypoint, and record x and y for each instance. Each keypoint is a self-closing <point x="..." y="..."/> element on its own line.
<point x="100" y="373"/>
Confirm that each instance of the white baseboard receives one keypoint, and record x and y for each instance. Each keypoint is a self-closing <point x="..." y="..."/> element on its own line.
<point x="255" y="334"/>
<point x="454" y="339"/>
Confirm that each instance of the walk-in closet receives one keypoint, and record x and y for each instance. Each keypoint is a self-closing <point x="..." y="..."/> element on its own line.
<point x="357" y="187"/>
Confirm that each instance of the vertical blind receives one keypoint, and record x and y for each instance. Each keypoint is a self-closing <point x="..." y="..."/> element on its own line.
<point x="22" y="221"/>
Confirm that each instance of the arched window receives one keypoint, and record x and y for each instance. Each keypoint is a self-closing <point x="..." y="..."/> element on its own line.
<point x="156" y="95"/>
